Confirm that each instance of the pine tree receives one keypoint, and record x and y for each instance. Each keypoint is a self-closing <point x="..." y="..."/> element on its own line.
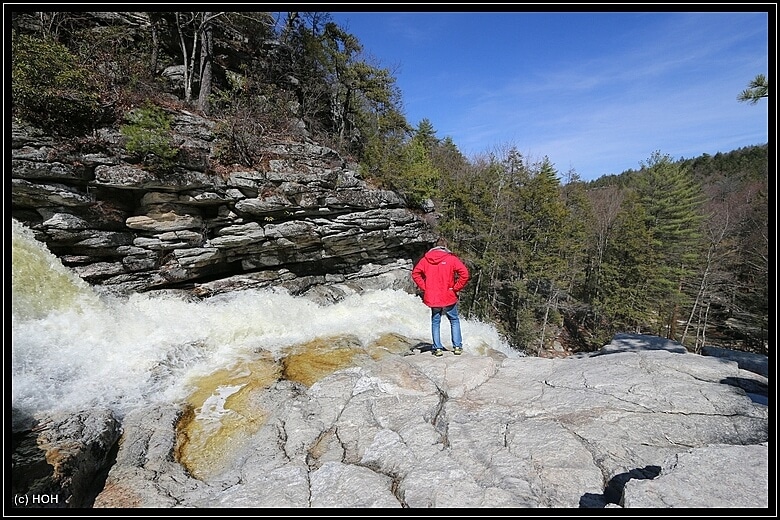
<point x="673" y="202"/>
<point x="628" y="267"/>
<point x="579" y="219"/>
<point x="418" y="179"/>
<point x="757" y="89"/>
<point x="426" y="134"/>
<point x="543" y="221"/>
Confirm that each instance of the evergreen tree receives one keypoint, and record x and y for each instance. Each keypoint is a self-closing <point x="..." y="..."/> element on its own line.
<point x="50" y="88"/>
<point x="474" y="211"/>
<point x="418" y="179"/>
<point x="673" y="203"/>
<point x="426" y="134"/>
<point x="628" y="268"/>
<point x="579" y="220"/>
<point x="448" y="160"/>
<point x="544" y="219"/>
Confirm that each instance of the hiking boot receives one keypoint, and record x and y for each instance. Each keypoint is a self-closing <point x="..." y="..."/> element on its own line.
<point x="438" y="352"/>
<point x="458" y="351"/>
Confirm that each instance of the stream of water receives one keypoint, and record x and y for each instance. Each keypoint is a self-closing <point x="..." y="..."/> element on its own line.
<point x="73" y="348"/>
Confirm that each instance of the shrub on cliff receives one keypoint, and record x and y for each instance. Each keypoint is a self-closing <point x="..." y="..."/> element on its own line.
<point x="49" y="88"/>
<point x="148" y="136"/>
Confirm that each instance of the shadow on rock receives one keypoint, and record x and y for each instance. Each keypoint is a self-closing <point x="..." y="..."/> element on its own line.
<point x="756" y="390"/>
<point x="613" y="493"/>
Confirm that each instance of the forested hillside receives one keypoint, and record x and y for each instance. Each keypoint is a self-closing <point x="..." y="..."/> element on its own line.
<point x="678" y="248"/>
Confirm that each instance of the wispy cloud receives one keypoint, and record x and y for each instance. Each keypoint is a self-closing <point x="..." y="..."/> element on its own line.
<point x="597" y="92"/>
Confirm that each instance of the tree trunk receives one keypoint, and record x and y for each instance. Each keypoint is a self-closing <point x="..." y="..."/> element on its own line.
<point x="696" y="302"/>
<point x="190" y="74"/>
<point x="550" y="301"/>
<point x="155" y="44"/>
<point x="186" y="59"/>
<point x="206" y="60"/>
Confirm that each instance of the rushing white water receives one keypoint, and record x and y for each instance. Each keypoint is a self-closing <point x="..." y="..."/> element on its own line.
<point x="73" y="349"/>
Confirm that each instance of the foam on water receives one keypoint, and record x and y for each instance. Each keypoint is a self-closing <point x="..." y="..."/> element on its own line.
<point x="72" y="349"/>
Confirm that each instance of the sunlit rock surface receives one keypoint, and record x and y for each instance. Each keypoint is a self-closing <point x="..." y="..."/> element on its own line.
<point x="406" y="429"/>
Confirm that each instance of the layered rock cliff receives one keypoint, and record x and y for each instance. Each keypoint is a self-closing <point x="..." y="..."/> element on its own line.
<point x="302" y="220"/>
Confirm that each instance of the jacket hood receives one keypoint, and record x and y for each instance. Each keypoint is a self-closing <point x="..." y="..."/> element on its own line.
<point x="437" y="254"/>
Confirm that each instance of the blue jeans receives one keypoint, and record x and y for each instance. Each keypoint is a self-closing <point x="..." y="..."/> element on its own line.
<point x="452" y="314"/>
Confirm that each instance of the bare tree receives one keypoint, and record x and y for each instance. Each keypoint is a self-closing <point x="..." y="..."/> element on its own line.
<point x="200" y="34"/>
<point x="606" y="203"/>
<point x="718" y="228"/>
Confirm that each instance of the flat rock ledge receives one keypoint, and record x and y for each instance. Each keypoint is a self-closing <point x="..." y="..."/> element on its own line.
<point x="629" y="427"/>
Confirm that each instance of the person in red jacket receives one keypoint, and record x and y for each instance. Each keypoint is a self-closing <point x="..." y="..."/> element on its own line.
<point x="441" y="275"/>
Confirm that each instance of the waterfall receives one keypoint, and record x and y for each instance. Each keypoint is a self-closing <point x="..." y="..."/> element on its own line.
<point x="73" y="348"/>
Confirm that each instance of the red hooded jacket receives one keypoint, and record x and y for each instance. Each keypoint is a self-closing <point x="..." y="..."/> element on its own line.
<point x="440" y="275"/>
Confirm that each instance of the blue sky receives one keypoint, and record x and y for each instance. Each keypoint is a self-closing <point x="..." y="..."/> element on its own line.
<point x="596" y="92"/>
